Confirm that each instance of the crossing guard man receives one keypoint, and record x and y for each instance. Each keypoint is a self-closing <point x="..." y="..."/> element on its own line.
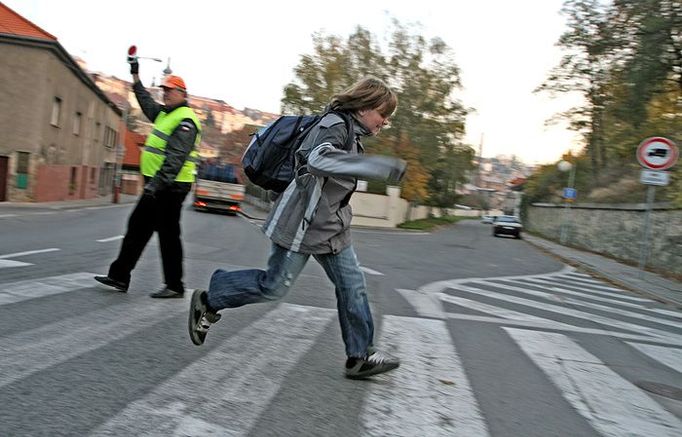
<point x="168" y="163"/>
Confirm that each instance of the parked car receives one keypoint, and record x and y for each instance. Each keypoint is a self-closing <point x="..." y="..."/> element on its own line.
<point x="507" y="225"/>
<point x="487" y="219"/>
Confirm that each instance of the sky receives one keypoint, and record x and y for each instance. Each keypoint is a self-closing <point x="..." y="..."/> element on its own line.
<point x="244" y="52"/>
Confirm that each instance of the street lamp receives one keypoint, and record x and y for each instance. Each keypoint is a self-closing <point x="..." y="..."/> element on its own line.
<point x="569" y="195"/>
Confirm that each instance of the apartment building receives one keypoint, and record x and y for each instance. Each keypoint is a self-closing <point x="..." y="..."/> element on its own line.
<point x="58" y="130"/>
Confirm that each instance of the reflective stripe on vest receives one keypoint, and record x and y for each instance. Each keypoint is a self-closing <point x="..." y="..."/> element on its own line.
<point x="154" y="152"/>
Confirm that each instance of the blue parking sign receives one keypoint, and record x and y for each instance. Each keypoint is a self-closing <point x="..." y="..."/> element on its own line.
<point x="570" y="193"/>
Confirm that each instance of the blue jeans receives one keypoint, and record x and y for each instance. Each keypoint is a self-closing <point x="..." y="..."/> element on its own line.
<point x="241" y="287"/>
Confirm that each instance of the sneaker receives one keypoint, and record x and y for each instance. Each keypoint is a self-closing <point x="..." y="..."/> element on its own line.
<point x="200" y="317"/>
<point x="119" y="285"/>
<point x="374" y="363"/>
<point x="167" y="293"/>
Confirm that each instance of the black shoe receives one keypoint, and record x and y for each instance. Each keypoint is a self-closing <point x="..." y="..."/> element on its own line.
<point x="374" y="363"/>
<point x="167" y="293"/>
<point x="200" y="317"/>
<point x="119" y="285"/>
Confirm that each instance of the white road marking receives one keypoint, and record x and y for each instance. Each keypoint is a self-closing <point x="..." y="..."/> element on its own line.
<point x="613" y="406"/>
<point x="30" y="252"/>
<point x="105" y="240"/>
<point x="582" y="287"/>
<point x="370" y="271"/>
<point x="233" y="384"/>
<point x="556" y="326"/>
<point x="23" y="290"/>
<point x="429" y="394"/>
<point x="438" y="286"/>
<point x="4" y="263"/>
<point x="598" y="285"/>
<point x="570" y="301"/>
<point x="426" y="304"/>
<point x="621" y="303"/>
<point x="574" y="313"/>
<point x="36" y="349"/>
<point x="583" y="275"/>
<point x="7" y="215"/>
<point x="497" y="311"/>
<point x="669" y="356"/>
<point x="589" y="291"/>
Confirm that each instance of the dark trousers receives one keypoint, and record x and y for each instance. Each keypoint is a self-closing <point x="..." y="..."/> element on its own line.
<point x="161" y="214"/>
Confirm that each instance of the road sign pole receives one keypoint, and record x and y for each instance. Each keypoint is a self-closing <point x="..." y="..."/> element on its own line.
<point x="656" y="154"/>
<point x="644" y="251"/>
<point x="564" y="223"/>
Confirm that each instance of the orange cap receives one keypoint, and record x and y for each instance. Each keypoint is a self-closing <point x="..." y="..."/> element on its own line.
<point x="173" y="82"/>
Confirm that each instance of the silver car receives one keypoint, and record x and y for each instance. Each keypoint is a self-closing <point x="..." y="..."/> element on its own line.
<point x="507" y="225"/>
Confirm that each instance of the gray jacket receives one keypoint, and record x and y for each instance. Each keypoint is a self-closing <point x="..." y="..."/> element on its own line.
<point x="313" y="215"/>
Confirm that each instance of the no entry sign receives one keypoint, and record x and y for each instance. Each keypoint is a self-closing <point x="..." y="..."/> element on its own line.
<point x="657" y="153"/>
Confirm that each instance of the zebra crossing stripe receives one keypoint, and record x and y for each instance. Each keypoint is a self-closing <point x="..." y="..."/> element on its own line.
<point x="426" y="304"/>
<point x="36" y="349"/>
<point x="671" y="357"/>
<point x="429" y="394"/>
<point x="435" y="287"/>
<point x="556" y="326"/>
<point x="619" y="311"/>
<point x="664" y="335"/>
<point x="589" y="291"/>
<point x="581" y="275"/>
<point x="613" y="406"/>
<point x="620" y="303"/>
<point x="501" y="312"/>
<point x="598" y="285"/>
<point x="232" y="385"/>
<point x="18" y="291"/>
<point x="5" y="263"/>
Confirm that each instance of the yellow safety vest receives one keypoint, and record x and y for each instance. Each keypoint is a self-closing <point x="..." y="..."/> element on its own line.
<point x="154" y="152"/>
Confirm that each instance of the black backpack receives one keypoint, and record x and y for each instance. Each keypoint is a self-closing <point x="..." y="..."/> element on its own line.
<point x="269" y="160"/>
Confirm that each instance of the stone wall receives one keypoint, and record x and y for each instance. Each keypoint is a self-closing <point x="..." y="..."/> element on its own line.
<point x="614" y="230"/>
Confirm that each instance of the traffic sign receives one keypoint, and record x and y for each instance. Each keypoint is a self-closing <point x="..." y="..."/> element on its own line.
<point x="570" y="193"/>
<point x="653" y="177"/>
<point x="657" y="153"/>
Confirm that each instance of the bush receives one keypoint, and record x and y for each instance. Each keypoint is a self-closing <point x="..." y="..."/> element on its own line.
<point x="432" y="222"/>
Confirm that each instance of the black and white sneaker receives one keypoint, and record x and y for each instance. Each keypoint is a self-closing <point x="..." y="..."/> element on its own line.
<point x="374" y="363"/>
<point x="200" y="317"/>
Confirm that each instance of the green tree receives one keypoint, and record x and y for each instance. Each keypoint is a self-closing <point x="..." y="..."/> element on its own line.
<point x="429" y="118"/>
<point x="589" y="45"/>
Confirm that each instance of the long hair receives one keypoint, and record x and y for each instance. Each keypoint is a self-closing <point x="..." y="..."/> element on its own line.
<point x="365" y="94"/>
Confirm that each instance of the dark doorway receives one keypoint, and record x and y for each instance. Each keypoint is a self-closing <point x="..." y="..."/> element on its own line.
<point x="4" y="166"/>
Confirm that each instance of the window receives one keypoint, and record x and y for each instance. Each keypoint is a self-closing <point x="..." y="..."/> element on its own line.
<point x="56" y="111"/>
<point x="93" y="173"/>
<point x="77" y="123"/>
<point x="109" y="137"/>
<point x="98" y="129"/>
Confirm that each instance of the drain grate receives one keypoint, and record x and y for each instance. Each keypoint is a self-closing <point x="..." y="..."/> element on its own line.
<point x="664" y="390"/>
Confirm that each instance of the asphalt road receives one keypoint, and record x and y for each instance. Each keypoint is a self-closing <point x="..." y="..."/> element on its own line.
<point x="496" y="338"/>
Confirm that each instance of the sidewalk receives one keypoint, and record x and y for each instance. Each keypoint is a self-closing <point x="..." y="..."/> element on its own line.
<point x="68" y="204"/>
<point x="630" y="278"/>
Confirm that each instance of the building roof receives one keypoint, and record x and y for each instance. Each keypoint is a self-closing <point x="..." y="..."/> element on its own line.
<point x="15" y="29"/>
<point x="14" y="24"/>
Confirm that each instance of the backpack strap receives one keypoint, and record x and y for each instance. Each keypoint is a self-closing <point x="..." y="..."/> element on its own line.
<point x="348" y="120"/>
